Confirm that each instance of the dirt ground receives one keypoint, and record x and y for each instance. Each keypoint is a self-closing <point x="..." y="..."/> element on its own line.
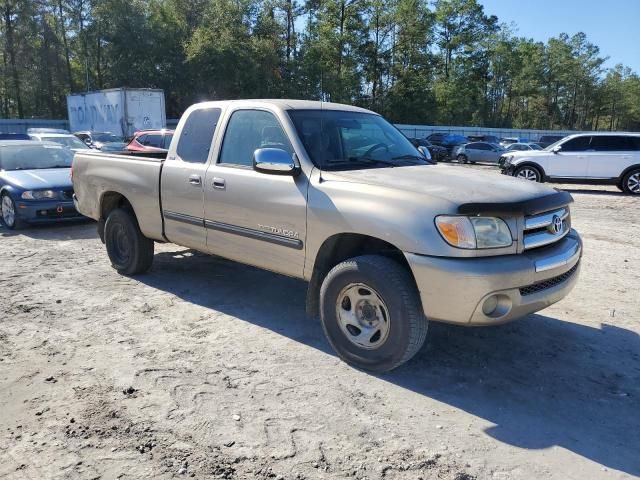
<point x="206" y="368"/>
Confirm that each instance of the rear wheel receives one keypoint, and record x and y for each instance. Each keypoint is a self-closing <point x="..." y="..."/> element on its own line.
<point x="631" y="182"/>
<point x="10" y="213"/>
<point x="528" y="173"/>
<point x="371" y="313"/>
<point x="129" y="250"/>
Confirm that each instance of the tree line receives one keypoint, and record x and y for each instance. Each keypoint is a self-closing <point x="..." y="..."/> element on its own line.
<point x="415" y="61"/>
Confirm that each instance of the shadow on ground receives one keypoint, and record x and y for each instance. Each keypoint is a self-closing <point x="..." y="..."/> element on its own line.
<point x="541" y="381"/>
<point x="75" y="230"/>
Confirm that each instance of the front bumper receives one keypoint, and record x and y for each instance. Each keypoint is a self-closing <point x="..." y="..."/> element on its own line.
<point x="464" y="290"/>
<point x="47" y="211"/>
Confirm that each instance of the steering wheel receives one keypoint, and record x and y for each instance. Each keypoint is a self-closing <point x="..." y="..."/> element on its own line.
<point x="377" y="146"/>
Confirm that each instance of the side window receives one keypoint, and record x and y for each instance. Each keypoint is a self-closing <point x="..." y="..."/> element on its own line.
<point x="141" y="139"/>
<point x="166" y="141"/>
<point x="611" y="143"/>
<point x="249" y="130"/>
<point x="153" y="141"/>
<point x="478" y="146"/>
<point x="578" y="144"/>
<point x="197" y="135"/>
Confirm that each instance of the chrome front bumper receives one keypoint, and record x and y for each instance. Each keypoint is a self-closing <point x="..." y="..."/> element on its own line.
<point x="466" y="290"/>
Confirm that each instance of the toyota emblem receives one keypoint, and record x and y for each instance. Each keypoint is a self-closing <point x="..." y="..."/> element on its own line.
<point x="556" y="225"/>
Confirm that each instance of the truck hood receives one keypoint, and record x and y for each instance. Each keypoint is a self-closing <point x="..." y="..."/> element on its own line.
<point x="457" y="185"/>
<point x="39" y="179"/>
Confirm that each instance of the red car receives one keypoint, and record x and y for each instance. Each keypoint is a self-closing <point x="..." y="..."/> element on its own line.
<point x="150" y="141"/>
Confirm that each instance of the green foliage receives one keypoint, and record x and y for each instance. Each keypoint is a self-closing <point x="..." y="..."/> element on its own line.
<point x="415" y="61"/>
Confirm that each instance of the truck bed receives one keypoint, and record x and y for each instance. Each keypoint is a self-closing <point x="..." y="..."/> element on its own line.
<point x="134" y="177"/>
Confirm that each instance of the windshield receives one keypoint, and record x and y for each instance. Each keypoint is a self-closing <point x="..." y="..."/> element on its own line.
<point x="535" y="146"/>
<point x="107" y="137"/>
<point x="32" y="157"/>
<point x="340" y="140"/>
<point x="69" y="142"/>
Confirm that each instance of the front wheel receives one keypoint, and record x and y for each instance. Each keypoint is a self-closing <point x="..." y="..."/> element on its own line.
<point x="462" y="159"/>
<point x="371" y="313"/>
<point x="129" y="250"/>
<point x="10" y="213"/>
<point x="528" y="173"/>
<point x="631" y="182"/>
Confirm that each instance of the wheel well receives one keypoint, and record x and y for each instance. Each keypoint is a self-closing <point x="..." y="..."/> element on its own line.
<point x="339" y="248"/>
<point x="109" y="202"/>
<point x="627" y="170"/>
<point x="534" y="165"/>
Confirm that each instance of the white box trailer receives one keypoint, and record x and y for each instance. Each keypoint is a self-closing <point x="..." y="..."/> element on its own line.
<point x="121" y="111"/>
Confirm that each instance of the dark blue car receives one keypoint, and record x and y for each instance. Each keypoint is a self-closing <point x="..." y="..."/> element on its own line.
<point x="35" y="183"/>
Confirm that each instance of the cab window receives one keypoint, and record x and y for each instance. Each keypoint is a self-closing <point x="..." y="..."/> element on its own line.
<point x="249" y="130"/>
<point x="196" y="136"/>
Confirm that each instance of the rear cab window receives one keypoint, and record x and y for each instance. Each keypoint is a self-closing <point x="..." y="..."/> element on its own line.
<point x="196" y="136"/>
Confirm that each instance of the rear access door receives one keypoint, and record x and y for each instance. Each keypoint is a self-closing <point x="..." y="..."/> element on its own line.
<point x="182" y="180"/>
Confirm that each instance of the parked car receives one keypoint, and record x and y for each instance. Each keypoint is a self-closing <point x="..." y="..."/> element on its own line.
<point x="437" y="152"/>
<point x="483" y="138"/>
<point x="35" y="183"/>
<point x="523" y="147"/>
<point x="103" y="141"/>
<point x="58" y="136"/>
<point x="595" y="158"/>
<point x="448" y="140"/>
<point x="336" y="196"/>
<point x="478" y="152"/>
<point x="506" y="141"/>
<point x="14" y="136"/>
<point x="546" y="140"/>
<point x="150" y="140"/>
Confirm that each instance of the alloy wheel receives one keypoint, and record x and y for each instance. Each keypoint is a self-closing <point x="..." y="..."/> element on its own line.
<point x="8" y="211"/>
<point x="528" y="174"/>
<point x="633" y="183"/>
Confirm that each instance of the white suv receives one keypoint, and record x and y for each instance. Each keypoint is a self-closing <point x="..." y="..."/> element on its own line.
<point x="595" y="158"/>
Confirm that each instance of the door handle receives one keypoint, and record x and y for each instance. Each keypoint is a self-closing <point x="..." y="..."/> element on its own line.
<point x="218" y="183"/>
<point x="195" y="180"/>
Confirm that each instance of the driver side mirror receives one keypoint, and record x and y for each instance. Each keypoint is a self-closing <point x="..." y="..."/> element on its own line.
<point x="557" y="149"/>
<point x="274" y="161"/>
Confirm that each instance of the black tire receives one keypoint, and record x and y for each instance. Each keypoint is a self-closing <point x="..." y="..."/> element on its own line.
<point x="530" y="168"/>
<point x="406" y="322"/>
<point x="462" y="159"/>
<point x="631" y="182"/>
<point x="129" y="250"/>
<point x="17" y="223"/>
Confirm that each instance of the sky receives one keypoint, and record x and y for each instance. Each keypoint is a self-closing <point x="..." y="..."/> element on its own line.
<point x="612" y="25"/>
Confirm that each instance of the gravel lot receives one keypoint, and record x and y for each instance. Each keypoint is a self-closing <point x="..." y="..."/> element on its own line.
<point x="206" y="368"/>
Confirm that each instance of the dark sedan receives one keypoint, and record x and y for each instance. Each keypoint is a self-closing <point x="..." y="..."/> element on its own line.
<point x="35" y="183"/>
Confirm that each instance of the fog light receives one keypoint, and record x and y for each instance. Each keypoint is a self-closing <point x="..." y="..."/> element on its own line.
<point x="489" y="305"/>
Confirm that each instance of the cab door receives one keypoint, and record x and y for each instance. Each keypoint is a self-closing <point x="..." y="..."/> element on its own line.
<point x="572" y="160"/>
<point x="182" y="180"/>
<point x="253" y="217"/>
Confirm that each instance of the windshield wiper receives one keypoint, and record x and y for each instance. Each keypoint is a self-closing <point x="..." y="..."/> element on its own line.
<point x="411" y="157"/>
<point x="372" y="161"/>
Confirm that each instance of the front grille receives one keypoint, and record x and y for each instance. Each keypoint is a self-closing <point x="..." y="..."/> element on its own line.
<point x="539" y="229"/>
<point x="551" y="282"/>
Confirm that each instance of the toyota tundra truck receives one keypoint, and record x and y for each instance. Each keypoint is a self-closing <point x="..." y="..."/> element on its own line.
<point x="337" y="196"/>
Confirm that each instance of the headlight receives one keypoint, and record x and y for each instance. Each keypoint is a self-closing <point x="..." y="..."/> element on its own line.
<point x="39" y="195"/>
<point x="474" y="232"/>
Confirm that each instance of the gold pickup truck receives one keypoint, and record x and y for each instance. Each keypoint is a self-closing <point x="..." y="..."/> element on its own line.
<point x="337" y="196"/>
